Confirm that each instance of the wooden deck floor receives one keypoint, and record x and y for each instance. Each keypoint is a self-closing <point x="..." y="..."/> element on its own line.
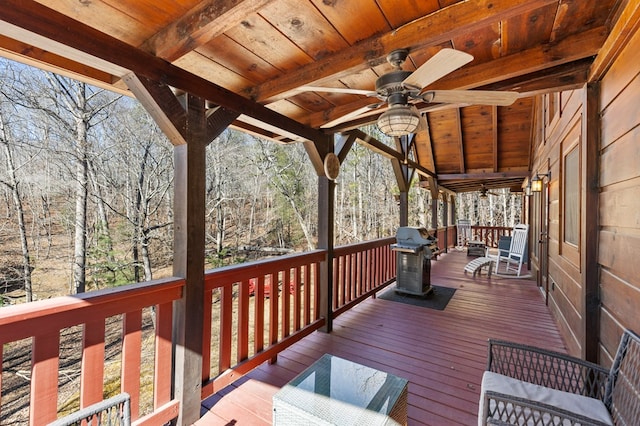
<point x="441" y="353"/>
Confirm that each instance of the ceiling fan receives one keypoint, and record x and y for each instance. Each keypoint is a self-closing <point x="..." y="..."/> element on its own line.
<point x="484" y="191"/>
<point x="401" y="89"/>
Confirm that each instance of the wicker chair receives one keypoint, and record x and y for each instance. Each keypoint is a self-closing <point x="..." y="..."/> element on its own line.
<point x="524" y="385"/>
<point x="110" y="412"/>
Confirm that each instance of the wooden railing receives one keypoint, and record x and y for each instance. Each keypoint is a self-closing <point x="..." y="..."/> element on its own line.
<point x="490" y="235"/>
<point x="252" y="312"/>
<point x="359" y="270"/>
<point x="255" y="310"/>
<point x="45" y="322"/>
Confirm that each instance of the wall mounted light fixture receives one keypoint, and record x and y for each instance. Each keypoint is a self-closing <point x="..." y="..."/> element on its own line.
<point x="537" y="181"/>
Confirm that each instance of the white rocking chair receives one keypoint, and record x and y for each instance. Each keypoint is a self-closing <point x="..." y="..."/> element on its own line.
<point x="514" y="257"/>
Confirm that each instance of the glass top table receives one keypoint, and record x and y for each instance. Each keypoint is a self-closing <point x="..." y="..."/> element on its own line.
<point x="335" y="391"/>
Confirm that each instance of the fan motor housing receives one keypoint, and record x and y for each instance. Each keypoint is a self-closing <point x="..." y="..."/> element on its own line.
<point x="391" y="82"/>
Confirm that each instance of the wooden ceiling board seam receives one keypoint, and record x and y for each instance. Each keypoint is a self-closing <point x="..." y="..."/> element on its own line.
<point x="370" y="20"/>
<point x="309" y="31"/>
<point x="261" y="38"/>
<point x="227" y="53"/>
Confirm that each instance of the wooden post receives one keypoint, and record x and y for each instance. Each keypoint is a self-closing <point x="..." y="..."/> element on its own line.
<point x="445" y="222"/>
<point x="589" y="250"/>
<point x="326" y="219"/>
<point x="190" y="127"/>
<point x="404" y="208"/>
<point x="188" y="261"/>
<point x="317" y="152"/>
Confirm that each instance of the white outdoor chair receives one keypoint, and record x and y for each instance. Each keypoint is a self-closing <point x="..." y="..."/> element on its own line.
<point x="464" y="232"/>
<point x="115" y="411"/>
<point x="514" y="257"/>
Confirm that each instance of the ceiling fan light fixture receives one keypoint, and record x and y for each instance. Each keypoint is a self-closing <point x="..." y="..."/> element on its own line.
<point x="399" y="120"/>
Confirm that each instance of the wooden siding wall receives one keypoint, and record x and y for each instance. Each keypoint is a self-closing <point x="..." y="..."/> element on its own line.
<point x="619" y="205"/>
<point x="562" y="117"/>
<point x="620" y="199"/>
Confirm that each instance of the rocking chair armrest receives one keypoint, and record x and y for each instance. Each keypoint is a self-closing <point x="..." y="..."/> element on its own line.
<point x="503" y="410"/>
<point x="547" y="368"/>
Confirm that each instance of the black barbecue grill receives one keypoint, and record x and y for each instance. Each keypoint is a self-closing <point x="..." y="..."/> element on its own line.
<point x="414" y="249"/>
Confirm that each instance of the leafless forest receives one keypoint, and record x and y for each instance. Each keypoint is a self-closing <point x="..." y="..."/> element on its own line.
<point x="86" y="192"/>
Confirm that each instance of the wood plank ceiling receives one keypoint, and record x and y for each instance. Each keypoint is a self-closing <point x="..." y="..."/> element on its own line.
<point x="263" y="50"/>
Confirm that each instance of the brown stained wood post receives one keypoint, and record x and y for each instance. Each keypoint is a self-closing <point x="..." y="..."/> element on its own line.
<point x="404" y="208"/>
<point x="445" y="222"/>
<point x="589" y="253"/>
<point x="190" y="128"/>
<point x="326" y="219"/>
<point x="188" y="262"/>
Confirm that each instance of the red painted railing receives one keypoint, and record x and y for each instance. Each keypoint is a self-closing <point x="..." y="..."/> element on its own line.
<point x="45" y="321"/>
<point x="255" y="310"/>
<point x="490" y="235"/>
<point x="252" y="312"/>
<point x="359" y="270"/>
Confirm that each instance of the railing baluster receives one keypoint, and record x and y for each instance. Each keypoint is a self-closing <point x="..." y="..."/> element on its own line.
<point x="44" y="378"/>
<point x="163" y="346"/>
<point x="92" y="376"/>
<point x="307" y="294"/>
<point x="206" y="331"/>
<point x="131" y="358"/>
<point x="258" y="301"/>
<point x="243" y="322"/>
<point x="295" y="286"/>
<point x="286" y="304"/>
<point x="226" y="322"/>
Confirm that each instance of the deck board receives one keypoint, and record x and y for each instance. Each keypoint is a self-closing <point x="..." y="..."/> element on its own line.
<point x="441" y="353"/>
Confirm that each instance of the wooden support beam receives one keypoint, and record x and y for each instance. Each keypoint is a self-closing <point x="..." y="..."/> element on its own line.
<point x="376" y="146"/>
<point x="467" y="176"/>
<point x="190" y="127"/>
<point x="30" y="20"/>
<point x="188" y="260"/>
<point x="626" y="26"/>
<point x="433" y="188"/>
<point x="538" y="59"/>
<point x="205" y="21"/>
<point x="431" y="30"/>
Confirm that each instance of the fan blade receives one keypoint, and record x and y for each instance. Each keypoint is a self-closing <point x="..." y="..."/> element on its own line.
<point x="352" y="114"/>
<point x="335" y="90"/>
<point x="442" y="63"/>
<point x="476" y="97"/>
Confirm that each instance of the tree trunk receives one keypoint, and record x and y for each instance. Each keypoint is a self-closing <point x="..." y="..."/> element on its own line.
<point x="80" y="239"/>
<point x="17" y="202"/>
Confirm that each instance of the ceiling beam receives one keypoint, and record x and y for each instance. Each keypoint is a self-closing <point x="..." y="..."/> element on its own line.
<point x="624" y="28"/>
<point x="570" y="49"/>
<point x="31" y="21"/>
<point x="198" y="26"/>
<point x="376" y="146"/>
<point x="431" y="30"/>
<point x="442" y="177"/>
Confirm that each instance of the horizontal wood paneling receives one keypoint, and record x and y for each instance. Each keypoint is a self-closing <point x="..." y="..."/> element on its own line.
<point x="619" y="181"/>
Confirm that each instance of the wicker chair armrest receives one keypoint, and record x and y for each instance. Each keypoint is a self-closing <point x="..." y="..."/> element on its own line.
<point x="113" y="411"/>
<point x="503" y="410"/>
<point x="547" y="368"/>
